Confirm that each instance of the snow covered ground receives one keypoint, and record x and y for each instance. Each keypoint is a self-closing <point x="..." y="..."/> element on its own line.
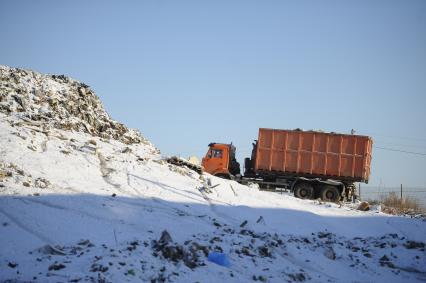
<point x="78" y="206"/>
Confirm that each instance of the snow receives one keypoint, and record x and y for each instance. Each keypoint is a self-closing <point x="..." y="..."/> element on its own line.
<point x="76" y="207"/>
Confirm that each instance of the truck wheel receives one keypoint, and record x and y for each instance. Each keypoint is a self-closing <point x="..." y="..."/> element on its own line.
<point x="304" y="191"/>
<point x="330" y="193"/>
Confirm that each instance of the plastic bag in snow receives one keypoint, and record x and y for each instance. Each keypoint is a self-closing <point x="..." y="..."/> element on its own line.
<point x="219" y="258"/>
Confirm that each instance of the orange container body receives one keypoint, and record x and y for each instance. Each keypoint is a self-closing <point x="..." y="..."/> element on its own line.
<point x="314" y="154"/>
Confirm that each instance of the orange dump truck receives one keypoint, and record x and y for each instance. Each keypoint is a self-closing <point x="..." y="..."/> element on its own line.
<point x="311" y="164"/>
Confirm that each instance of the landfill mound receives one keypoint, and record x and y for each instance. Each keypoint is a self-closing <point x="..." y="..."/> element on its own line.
<point x="60" y="102"/>
<point x="84" y="199"/>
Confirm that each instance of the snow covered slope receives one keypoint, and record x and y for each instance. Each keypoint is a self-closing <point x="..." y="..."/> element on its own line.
<point x="84" y="199"/>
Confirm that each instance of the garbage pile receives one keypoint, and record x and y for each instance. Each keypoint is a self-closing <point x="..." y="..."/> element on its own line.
<point x="60" y="102"/>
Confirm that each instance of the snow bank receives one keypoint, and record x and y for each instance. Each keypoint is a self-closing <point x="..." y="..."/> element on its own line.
<point x="86" y="200"/>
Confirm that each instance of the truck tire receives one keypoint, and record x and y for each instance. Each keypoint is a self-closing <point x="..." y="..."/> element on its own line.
<point x="304" y="191"/>
<point x="330" y="193"/>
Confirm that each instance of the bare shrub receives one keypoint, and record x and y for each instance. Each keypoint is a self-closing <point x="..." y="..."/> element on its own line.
<point x="393" y="204"/>
<point x="372" y="201"/>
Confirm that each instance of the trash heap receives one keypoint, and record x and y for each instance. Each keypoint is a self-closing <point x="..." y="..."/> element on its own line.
<point x="60" y="102"/>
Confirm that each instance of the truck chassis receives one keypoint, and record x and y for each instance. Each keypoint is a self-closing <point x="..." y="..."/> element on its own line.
<point x="305" y="188"/>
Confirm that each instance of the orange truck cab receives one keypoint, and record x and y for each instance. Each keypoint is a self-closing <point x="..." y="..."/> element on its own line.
<point x="220" y="160"/>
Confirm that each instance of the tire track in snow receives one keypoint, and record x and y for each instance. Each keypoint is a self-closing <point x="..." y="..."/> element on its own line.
<point x="166" y="187"/>
<point x="173" y="212"/>
<point x="106" y="171"/>
<point x="395" y="226"/>
<point x="44" y="145"/>
<point x="159" y="201"/>
<point x="203" y="195"/>
<point x="128" y="184"/>
<point x="80" y="212"/>
<point x="24" y="227"/>
<point x="233" y="221"/>
<point x="179" y="211"/>
<point x="301" y="264"/>
<point x="106" y="175"/>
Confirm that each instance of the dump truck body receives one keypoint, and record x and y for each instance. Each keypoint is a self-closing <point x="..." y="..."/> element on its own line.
<point x="312" y="155"/>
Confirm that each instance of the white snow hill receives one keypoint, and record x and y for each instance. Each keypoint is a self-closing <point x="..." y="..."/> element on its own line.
<point x="85" y="199"/>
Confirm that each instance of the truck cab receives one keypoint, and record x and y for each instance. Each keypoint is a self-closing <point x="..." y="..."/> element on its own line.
<point x="220" y="160"/>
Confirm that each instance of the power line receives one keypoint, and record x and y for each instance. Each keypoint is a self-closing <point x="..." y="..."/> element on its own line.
<point x="386" y="192"/>
<point x="398" y="150"/>
<point x="396" y="137"/>
<point x="399" y="144"/>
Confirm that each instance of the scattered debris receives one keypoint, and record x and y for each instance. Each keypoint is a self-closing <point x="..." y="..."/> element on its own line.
<point x="363" y="206"/>
<point x="259" y="278"/>
<point x="61" y="102"/>
<point x="297" y="277"/>
<point x="56" y="266"/>
<point x="217" y="224"/>
<point x="385" y="261"/>
<point x="176" y="253"/>
<point x="330" y="254"/>
<point x="184" y="163"/>
<point x="264" y="251"/>
<point x="86" y="243"/>
<point x="50" y="250"/>
<point x="12" y="264"/>
<point x="41" y="183"/>
<point x="414" y="245"/>
<point x="98" y="268"/>
<point x="4" y="174"/>
<point x="260" y="220"/>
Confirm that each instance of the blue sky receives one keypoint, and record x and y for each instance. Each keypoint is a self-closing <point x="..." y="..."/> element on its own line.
<point x="190" y="72"/>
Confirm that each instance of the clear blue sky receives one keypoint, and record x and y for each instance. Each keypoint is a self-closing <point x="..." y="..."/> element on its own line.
<point x="190" y="72"/>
